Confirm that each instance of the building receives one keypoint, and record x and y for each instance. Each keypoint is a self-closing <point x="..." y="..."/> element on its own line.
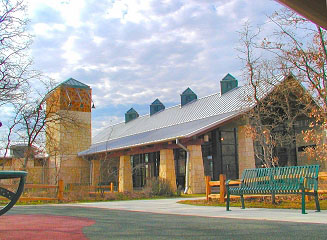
<point x="182" y="144"/>
<point x="199" y="137"/>
<point x="68" y="131"/>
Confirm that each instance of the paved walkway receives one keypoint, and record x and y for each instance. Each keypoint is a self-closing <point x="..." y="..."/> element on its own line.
<point x="170" y="206"/>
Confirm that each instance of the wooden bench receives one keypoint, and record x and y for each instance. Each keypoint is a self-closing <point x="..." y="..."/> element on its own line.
<point x="280" y="180"/>
<point x="12" y="196"/>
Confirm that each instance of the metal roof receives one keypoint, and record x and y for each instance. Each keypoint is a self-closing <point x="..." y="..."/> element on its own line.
<point x="177" y="122"/>
<point x="71" y="82"/>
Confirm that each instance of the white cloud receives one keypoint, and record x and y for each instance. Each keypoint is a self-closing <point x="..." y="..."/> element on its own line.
<point x="133" y="51"/>
<point x="70" y="54"/>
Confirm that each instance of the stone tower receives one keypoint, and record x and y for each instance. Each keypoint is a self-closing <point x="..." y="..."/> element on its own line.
<point x="68" y="131"/>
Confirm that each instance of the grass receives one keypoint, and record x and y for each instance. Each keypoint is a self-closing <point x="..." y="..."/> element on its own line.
<point x="192" y="195"/>
<point x="98" y="198"/>
<point x="293" y="202"/>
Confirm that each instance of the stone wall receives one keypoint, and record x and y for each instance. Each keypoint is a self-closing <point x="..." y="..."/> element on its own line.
<point x="196" y="170"/>
<point x="36" y="174"/>
<point x="95" y="172"/>
<point x="68" y="133"/>
<point x="246" y="157"/>
<point x="167" y="167"/>
<point x="125" y="175"/>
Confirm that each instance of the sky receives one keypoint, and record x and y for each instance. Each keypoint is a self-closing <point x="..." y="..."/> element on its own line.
<point x="131" y="52"/>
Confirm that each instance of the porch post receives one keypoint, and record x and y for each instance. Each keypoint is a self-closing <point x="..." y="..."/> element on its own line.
<point x="167" y="167"/>
<point x="125" y="174"/>
<point x="196" y="170"/>
<point x="95" y="172"/>
<point x="245" y="150"/>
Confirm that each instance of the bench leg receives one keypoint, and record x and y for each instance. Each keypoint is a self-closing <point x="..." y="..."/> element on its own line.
<point x="242" y="201"/>
<point x="317" y="201"/>
<point x="273" y="198"/>
<point x="227" y="201"/>
<point x="303" y="201"/>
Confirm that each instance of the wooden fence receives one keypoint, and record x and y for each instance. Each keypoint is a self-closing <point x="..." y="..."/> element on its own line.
<point x="60" y="187"/>
<point x="59" y="195"/>
<point x="222" y="186"/>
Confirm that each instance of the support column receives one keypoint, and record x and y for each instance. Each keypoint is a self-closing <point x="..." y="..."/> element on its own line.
<point x="167" y="167"/>
<point x="95" y="172"/>
<point x="196" y="170"/>
<point x="125" y="174"/>
<point x="246" y="157"/>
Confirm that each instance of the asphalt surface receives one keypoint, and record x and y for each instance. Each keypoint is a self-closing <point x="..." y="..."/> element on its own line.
<point x="130" y="224"/>
<point x="170" y="206"/>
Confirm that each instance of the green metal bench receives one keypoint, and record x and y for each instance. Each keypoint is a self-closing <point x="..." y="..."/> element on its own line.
<point x="280" y="180"/>
<point x="12" y="196"/>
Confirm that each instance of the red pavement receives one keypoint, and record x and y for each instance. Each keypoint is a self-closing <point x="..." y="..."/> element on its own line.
<point x="43" y="227"/>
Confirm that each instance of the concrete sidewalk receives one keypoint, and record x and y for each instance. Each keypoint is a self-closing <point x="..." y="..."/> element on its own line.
<point x="170" y="206"/>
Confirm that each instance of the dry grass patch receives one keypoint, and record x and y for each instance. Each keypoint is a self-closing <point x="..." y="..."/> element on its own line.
<point x="283" y="202"/>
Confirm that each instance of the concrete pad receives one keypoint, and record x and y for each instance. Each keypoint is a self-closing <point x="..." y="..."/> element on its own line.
<point x="170" y="206"/>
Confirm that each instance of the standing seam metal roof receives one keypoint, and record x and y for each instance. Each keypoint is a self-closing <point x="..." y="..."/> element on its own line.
<point x="178" y="122"/>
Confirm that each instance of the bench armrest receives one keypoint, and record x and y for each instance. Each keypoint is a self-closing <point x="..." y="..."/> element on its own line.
<point x="233" y="182"/>
<point x="314" y="179"/>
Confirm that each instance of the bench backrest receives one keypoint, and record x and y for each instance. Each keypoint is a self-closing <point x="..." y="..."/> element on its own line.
<point x="281" y="176"/>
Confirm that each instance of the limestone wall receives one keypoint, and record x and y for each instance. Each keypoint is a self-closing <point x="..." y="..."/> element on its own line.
<point x="246" y="157"/>
<point x="167" y="167"/>
<point x="196" y="170"/>
<point x="125" y="175"/>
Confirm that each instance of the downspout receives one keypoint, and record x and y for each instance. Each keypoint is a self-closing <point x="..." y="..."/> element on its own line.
<point x="187" y="165"/>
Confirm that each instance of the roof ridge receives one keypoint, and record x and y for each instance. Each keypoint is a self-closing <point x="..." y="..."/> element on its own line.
<point x="168" y="108"/>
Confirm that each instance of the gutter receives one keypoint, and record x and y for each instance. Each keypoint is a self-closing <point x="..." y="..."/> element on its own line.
<point x="187" y="165"/>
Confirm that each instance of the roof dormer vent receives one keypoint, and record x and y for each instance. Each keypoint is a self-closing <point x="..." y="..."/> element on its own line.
<point x="187" y="96"/>
<point x="228" y="83"/>
<point x="156" y="106"/>
<point x="130" y="115"/>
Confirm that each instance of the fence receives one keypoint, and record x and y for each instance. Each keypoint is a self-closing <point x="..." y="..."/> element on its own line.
<point x="101" y="189"/>
<point x="59" y="196"/>
<point x="222" y="186"/>
<point x="60" y="190"/>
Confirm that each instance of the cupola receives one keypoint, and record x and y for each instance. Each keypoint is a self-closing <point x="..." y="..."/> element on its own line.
<point x="228" y="83"/>
<point x="156" y="106"/>
<point x="187" y="96"/>
<point x="130" y="115"/>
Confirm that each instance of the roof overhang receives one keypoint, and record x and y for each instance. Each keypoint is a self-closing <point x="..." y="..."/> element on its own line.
<point x="314" y="10"/>
<point x="171" y="133"/>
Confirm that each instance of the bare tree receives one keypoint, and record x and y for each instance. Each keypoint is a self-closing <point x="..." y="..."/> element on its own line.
<point x="36" y="121"/>
<point x="14" y="43"/>
<point x="302" y="47"/>
<point x="279" y="100"/>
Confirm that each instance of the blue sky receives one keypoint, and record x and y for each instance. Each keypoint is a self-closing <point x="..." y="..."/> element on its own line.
<point x="133" y="51"/>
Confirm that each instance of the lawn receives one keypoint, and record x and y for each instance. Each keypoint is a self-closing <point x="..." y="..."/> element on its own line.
<point x="293" y="202"/>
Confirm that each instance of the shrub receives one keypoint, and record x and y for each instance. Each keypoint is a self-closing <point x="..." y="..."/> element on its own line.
<point x="158" y="187"/>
